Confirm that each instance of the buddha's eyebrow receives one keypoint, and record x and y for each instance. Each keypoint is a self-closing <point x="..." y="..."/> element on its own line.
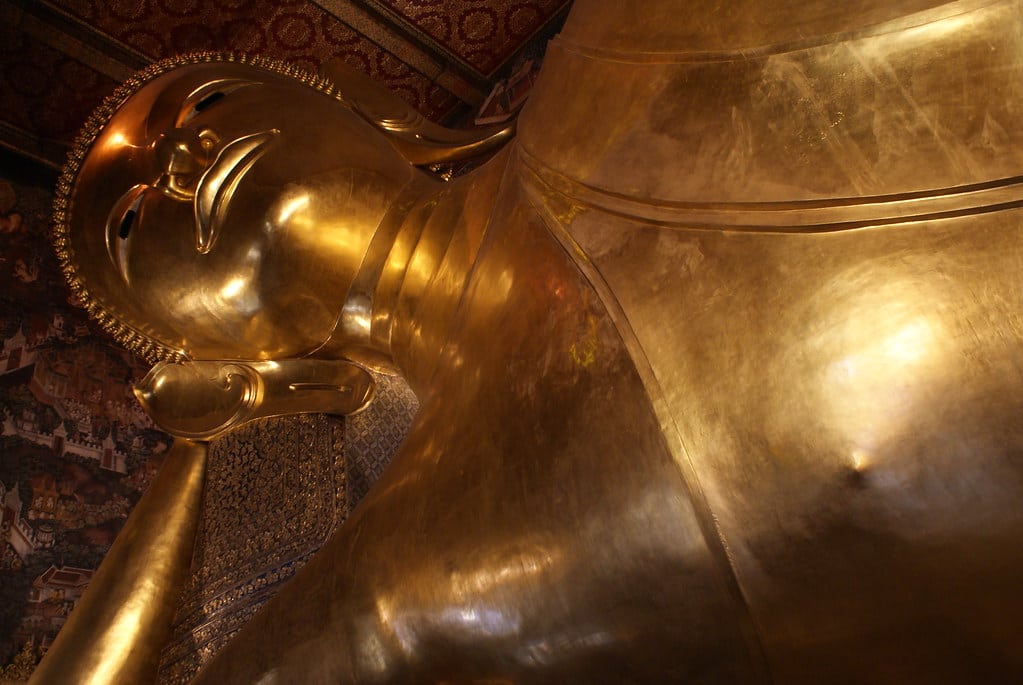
<point x="206" y="95"/>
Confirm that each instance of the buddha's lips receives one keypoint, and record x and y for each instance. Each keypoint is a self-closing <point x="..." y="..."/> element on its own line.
<point x="218" y="183"/>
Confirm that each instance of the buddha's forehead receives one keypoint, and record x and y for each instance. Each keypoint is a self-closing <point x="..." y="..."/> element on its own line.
<point x="121" y="157"/>
<point x="121" y="154"/>
<point x="160" y="103"/>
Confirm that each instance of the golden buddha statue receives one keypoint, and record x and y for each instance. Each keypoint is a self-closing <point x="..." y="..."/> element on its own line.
<point x="718" y="359"/>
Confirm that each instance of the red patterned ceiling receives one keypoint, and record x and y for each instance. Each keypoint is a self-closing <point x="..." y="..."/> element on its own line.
<point x="481" y="34"/>
<point x="294" y="30"/>
<point x="43" y="91"/>
<point x="58" y="58"/>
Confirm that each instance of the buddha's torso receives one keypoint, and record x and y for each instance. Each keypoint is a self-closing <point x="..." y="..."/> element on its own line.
<point x="732" y="392"/>
<point x="811" y="248"/>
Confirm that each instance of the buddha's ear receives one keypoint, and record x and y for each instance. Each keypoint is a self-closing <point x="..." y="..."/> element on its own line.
<point x="203" y="399"/>
<point x="420" y="141"/>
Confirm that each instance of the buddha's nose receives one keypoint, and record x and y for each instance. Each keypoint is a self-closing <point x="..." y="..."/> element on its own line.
<point x="182" y="155"/>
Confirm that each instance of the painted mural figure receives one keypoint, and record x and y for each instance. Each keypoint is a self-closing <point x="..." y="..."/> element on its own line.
<point x="718" y="359"/>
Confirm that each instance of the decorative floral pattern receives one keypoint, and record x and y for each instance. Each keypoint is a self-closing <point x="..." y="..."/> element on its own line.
<point x="43" y="91"/>
<point x="296" y="31"/>
<point x="373" y="435"/>
<point x="484" y="34"/>
<point x="275" y="491"/>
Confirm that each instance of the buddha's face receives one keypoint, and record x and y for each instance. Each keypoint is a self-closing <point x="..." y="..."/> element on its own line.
<point x="224" y="210"/>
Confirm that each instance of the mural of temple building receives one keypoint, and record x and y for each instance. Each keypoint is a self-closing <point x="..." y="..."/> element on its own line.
<point x="19" y="537"/>
<point x="53" y="596"/>
<point x="105" y="452"/>
<point x="16" y="353"/>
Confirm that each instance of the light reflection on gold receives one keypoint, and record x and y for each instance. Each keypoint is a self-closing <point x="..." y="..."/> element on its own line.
<point x="290" y="207"/>
<point x="233" y="287"/>
<point x="515" y="569"/>
<point x="910" y="344"/>
<point x="371" y="651"/>
<point x="860" y="460"/>
<point x="875" y="389"/>
<point x="117" y="140"/>
<point x="936" y="31"/>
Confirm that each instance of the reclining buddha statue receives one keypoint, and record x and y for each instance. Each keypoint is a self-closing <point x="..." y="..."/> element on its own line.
<point x="719" y="359"/>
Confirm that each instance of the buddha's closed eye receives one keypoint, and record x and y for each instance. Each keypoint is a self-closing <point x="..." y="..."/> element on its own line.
<point x="207" y="95"/>
<point x="123" y="219"/>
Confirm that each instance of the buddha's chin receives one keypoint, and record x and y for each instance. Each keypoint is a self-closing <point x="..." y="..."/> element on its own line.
<point x="267" y="336"/>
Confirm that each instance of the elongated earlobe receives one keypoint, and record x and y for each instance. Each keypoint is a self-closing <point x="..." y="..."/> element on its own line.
<point x="201" y="400"/>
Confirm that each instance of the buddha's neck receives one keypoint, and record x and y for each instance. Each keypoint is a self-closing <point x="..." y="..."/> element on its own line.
<point x="442" y="238"/>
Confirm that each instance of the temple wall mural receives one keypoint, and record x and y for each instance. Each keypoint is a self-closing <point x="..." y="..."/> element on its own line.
<point x="76" y="450"/>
